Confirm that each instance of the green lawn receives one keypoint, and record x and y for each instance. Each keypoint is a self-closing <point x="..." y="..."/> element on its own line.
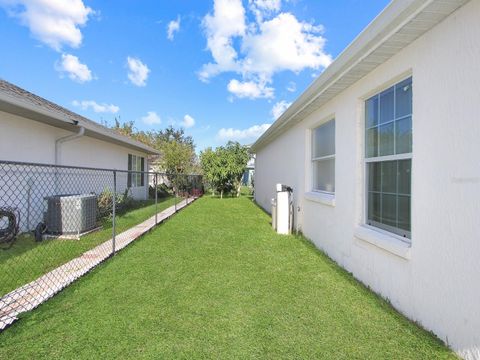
<point x="26" y="260"/>
<point x="216" y="282"/>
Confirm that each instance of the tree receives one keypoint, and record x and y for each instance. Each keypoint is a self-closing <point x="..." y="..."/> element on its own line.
<point x="177" y="155"/>
<point x="128" y="129"/>
<point x="177" y="149"/>
<point x="170" y="134"/>
<point x="176" y="158"/>
<point x="237" y="159"/>
<point x="223" y="167"/>
<point x="213" y="171"/>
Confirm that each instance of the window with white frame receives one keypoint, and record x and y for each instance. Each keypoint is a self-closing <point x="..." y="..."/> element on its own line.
<point x="323" y="157"/>
<point x="137" y="178"/>
<point x="388" y="157"/>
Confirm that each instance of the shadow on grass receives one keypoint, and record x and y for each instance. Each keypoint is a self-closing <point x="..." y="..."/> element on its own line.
<point x="26" y="241"/>
<point x="27" y="259"/>
<point x="302" y="245"/>
<point x="349" y="278"/>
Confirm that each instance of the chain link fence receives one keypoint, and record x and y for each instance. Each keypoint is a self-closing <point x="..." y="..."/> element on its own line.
<point x="58" y="222"/>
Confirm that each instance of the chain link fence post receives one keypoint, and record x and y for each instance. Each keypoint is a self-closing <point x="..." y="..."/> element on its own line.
<point x="73" y="210"/>
<point x="187" y="187"/>
<point x="114" y="205"/>
<point x="175" y="190"/>
<point x="156" y="197"/>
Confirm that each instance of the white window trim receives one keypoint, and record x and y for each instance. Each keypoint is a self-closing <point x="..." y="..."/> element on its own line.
<point x="316" y="194"/>
<point x="384" y="240"/>
<point x="404" y="156"/>
<point x="135" y="175"/>
<point x="317" y="160"/>
<point x="321" y="197"/>
<point x="379" y="237"/>
<point x="328" y="157"/>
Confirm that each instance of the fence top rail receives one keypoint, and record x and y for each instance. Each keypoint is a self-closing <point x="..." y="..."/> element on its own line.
<point x="21" y="163"/>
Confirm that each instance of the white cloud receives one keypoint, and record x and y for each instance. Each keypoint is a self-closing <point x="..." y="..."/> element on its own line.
<point x="250" y="89"/>
<point x="152" y="118"/>
<point x="292" y="86"/>
<point x="264" y="8"/>
<point x="226" y="22"/>
<point x="138" y="71"/>
<point x="279" y="108"/>
<point x="98" y="108"/>
<point x="259" y="49"/>
<point x="250" y="134"/>
<point x="284" y="43"/>
<point x="188" y="121"/>
<point x="172" y="28"/>
<point x="75" y="70"/>
<point x="268" y="5"/>
<point x="53" y="22"/>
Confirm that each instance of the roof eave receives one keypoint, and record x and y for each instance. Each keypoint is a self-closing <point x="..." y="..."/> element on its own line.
<point x="393" y="18"/>
<point x="16" y="106"/>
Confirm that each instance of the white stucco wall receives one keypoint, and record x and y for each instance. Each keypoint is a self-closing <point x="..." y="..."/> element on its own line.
<point x="436" y="281"/>
<point x="24" y="140"/>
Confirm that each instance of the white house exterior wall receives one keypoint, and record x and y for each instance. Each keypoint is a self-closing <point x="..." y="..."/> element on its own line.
<point x="25" y="140"/>
<point x="436" y="281"/>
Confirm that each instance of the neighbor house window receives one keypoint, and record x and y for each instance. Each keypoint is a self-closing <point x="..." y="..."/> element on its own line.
<point x="136" y="163"/>
<point x="388" y="154"/>
<point x="323" y="157"/>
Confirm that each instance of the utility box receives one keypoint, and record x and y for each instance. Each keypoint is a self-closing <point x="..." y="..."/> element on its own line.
<point x="283" y="217"/>
<point x="274" y="214"/>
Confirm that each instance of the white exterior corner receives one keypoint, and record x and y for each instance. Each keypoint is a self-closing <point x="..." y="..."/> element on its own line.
<point x="431" y="278"/>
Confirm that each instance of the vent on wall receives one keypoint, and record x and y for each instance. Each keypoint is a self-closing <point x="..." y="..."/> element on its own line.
<point x="70" y="214"/>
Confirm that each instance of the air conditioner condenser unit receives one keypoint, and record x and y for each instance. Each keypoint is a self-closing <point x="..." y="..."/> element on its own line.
<point x="71" y="214"/>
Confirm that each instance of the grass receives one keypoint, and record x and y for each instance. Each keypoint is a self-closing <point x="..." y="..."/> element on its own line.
<point x="26" y="260"/>
<point x="216" y="282"/>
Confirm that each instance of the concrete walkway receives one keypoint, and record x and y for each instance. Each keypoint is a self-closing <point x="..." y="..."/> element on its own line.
<point x="31" y="295"/>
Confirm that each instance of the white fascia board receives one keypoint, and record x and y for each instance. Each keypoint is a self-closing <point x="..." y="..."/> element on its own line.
<point x="393" y="18"/>
<point x="16" y="102"/>
<point x="63" y="121"/>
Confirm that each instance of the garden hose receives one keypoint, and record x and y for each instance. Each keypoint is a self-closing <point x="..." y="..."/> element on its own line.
<point x="9" y="233"/>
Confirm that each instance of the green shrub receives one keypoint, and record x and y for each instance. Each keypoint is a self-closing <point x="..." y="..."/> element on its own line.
<point x="163" y="191"/>
<point x="123" y="202"/>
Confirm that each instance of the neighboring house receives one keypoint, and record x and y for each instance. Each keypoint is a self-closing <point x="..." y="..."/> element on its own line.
<point x="153" y="161"/>
<point x="382" y="152"/>
<point x="35" y="130"/>
<point x="249" y="173"/>
<point x="153" y="166"/>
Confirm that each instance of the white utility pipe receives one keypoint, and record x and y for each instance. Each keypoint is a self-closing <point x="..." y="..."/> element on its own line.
<point x="58" y="142"/>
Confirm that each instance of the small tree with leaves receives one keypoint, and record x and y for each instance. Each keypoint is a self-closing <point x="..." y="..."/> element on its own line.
<point x="237" y="159"/>
<point x="177" y="160"/>
<point x="177" y="150"/>
<point x="212" y="174"/>
<point x="223" y="167"/>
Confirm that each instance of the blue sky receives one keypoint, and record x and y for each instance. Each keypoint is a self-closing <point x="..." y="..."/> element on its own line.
<point x="223" y="72"/>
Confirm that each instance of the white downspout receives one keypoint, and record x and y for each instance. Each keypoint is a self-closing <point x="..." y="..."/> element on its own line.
<point x="60" y="141"/>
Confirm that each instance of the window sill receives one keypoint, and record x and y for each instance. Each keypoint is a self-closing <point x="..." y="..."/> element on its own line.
<point x="322" y="198"/>
<point x="384" y="241"/>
